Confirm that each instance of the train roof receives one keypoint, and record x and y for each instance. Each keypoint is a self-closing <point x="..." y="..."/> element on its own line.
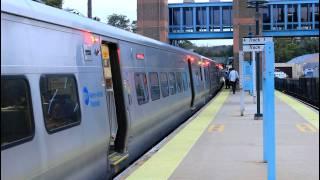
<point x="208" y="59"/>
<point x="41" y="12"/>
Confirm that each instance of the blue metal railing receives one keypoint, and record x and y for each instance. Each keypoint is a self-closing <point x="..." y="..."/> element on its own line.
<point x="214" y="20"/>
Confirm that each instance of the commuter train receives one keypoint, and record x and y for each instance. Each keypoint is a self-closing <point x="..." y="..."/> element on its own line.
<point x="82" y="100"/>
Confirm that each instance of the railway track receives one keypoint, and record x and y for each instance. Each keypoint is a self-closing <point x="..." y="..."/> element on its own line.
<point x="299" y="98"/>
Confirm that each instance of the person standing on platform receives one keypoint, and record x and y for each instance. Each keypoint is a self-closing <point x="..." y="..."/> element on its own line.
<point x="226" y="77"/>
<point x="233" y="78"/>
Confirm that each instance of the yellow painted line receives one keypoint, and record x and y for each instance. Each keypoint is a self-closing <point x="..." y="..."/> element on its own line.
<point x="221" y="128"/>
<point x="301" y="128"/>
<point x="305" y="127"/>
<point x="162" y="164"/>
<point x="216" y="127"/>
<point x="311" y="116"/>
<point x="312" y="129"/>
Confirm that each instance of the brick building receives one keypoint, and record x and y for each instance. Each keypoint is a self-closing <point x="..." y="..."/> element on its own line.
<point x="152" y="19"/>
<point x="243" y="22"/>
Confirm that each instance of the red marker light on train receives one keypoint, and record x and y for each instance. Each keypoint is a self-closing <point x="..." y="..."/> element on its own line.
<point x="219" y="66"/>
<point x="140" y="56"/>
<point x="90" y="39"/>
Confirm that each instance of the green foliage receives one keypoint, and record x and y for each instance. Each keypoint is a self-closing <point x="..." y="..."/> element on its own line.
<point x="285" y="48"/>
<point x="289" y="48"/>
<point x="123" y="22"/>
<point x="210" y="51"/>
<point x="54" y="3"/>
<point x="120" y="21"/>
<point x="215" y="51"/>
<point x="133" y="26"/>
<point x="186" y="44"/>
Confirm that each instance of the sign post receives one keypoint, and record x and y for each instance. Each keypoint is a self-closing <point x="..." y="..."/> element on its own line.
<point x="242" y="81"/>
<point x="268" y="110"/>
<point x="266" y="46"/>
<point x="254" y="46"/>
<point x="246" y="76"/>
<point x="253" y="76"/>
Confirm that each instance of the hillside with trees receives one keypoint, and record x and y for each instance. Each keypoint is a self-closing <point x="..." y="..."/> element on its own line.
<point x="289" y="48"/>
<point x="285" y="48"/>
<point x="208" y="51"/>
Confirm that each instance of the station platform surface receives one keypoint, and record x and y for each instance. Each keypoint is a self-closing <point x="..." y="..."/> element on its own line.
<point x="218" y="143"/>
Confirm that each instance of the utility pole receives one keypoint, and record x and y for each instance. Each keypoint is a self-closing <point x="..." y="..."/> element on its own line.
<point x="258" y="115"/>
<point x="89" y="9"/>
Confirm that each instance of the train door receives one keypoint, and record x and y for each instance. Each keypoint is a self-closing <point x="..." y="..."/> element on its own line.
<point x="191" y="83"/>
<point x="115" y="102"/>
<point x="112" y="114"/>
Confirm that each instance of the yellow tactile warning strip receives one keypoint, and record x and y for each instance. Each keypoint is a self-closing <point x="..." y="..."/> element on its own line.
<point x="162" y="164"/>
<point x="216" y="128"/>
<point x="302" y="109"/>
<point x="306" y="128"/>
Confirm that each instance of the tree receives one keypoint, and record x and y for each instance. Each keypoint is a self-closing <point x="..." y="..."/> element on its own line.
<point x="185" y="44"/>
<point x="215" y="51"/>
<point x="120" y="21"/>
<point x="134" y="26"/>
<point x="289" y="48"/>
<point x="54" y="3"/>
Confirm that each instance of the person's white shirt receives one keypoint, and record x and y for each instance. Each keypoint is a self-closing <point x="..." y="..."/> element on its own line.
<point x="233" y="75"/>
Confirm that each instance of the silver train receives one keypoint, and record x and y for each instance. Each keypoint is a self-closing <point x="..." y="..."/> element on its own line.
<point x="82" y="100"/>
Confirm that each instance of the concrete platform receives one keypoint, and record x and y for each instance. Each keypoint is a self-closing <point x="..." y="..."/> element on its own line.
<point x="222" y="145"/>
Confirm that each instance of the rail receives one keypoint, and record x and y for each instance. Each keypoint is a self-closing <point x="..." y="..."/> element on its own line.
<point x="306" y="89"/>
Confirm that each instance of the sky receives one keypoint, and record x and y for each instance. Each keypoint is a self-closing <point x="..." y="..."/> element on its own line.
<point x="104" y="8"/>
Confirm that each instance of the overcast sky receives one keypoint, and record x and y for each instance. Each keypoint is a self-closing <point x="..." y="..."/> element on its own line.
<point x="104" y="8"/>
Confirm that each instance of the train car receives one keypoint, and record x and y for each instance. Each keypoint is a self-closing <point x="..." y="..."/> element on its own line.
<point x="82" y="100"/>
<point x="212" y="76"/>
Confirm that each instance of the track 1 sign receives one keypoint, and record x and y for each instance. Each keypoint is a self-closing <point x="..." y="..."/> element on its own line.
<point x="258" y="40"/>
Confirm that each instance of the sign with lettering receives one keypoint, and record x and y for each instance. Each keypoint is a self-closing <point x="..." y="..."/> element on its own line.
<point x="253" y="48"/>
<point x="258" y="40"/>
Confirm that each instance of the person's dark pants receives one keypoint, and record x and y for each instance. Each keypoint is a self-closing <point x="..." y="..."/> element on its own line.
<point x="233" y="84"/>
<point x="227" y="84"/>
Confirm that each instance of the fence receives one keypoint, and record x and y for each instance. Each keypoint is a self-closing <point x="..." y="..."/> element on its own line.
<point x="306" y="89"/>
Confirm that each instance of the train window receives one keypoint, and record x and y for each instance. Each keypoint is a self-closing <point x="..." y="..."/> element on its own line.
<point x="60" y="102"/>
<point x="17" y="124"/>
<point x="172" y="83"/>
<point x="205" y="73"/>
<point x="141" y="88"/>
<point x="154" y="86"/>
<point x="164" y="84"/>
<point x="197" y="80"/>
<point x="185" y="81"/>
<point x="206" y="76"/>
<point x="179" y="82"/>
<point x="200" y="74"/>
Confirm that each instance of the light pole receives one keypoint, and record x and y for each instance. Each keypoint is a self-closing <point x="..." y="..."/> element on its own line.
<point x="89" y="9"/>
<point x="257" y="4"/>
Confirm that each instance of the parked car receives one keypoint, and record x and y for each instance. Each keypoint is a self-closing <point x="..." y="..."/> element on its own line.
<point x="280" y="74"/>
